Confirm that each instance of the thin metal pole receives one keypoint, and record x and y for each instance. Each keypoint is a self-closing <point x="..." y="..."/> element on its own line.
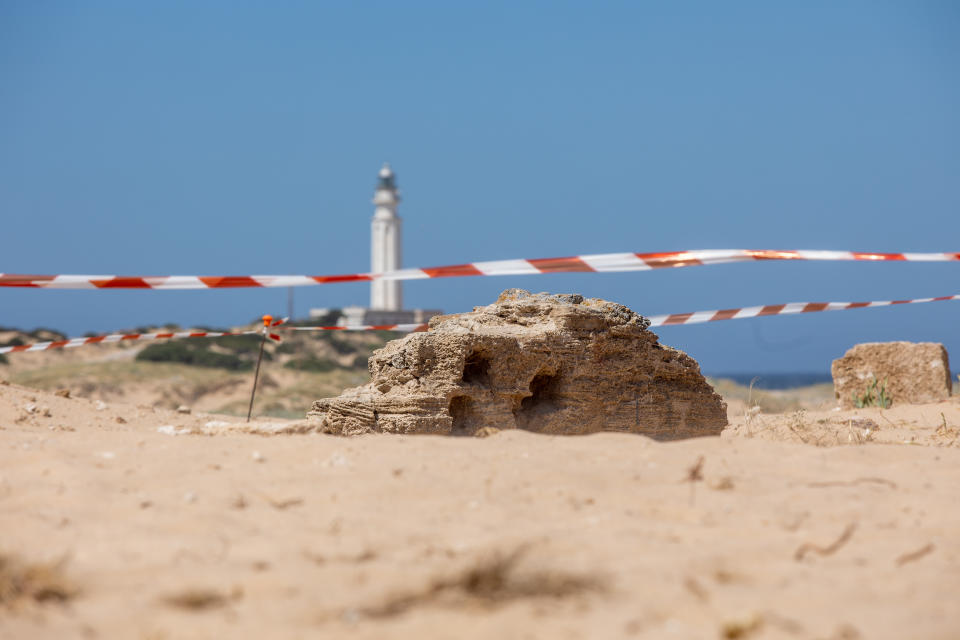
<point x="256" y="375"/>
<point x="290" y="302"/>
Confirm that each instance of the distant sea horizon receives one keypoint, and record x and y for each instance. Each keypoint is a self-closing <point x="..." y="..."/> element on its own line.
<point x="781" y="380"/>
<point x="776" y="381"/>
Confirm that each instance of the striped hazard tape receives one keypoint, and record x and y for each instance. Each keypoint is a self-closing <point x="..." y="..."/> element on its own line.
<point x="695" y="317"/>
<point x="130" y="337"/>
<point x="603" y="262"/>
<point x="402" y="328"/>
<point x="672" y="319"/>
<point x="124" y="337"/>
<point x="698" y="317"/>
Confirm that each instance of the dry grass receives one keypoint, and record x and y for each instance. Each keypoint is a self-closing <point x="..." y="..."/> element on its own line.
<point x="489" y="582"/>
<point x="798" y="427"/>
<point x="23" y="582"/>
<point x="775" y="401"/>
<point x="168" y="385"/>
<point x="202" y="599"/>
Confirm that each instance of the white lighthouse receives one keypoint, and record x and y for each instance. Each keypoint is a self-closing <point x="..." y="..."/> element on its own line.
<point x="385" y="243"/>
<point x="386" y="296"/>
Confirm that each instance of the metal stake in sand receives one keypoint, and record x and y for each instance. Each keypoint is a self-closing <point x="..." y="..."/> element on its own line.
<point x="267" y="320"/>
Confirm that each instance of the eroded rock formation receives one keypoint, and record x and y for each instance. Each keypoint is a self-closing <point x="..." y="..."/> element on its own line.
<point x="910" y="372"/>
<point x="555" y="364"/>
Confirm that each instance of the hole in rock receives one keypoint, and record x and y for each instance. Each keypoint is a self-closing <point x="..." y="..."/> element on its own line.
<point x="542" y="392"/>
<point x="476" y="369"/>
<point x="460" y="411"/>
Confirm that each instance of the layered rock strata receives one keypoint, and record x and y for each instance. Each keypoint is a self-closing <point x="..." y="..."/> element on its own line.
<point x="555" y="364"/>
<point x="910" y="372"/>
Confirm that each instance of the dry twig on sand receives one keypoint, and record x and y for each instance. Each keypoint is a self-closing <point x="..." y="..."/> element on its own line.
<point x="489" y="582"/>
<point x="913" y="556"/>
<point x="282" y="504"/>
<point x="830" y="549"/>
<point x="38" y="582"/>
<point x="855" y="481"/>
<point x="694" y="475"/>
<point x="200" y="599"/>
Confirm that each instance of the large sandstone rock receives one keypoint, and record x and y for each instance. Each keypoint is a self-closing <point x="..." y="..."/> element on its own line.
<point x="913" y="372"/>
<point x="549" y="363"/>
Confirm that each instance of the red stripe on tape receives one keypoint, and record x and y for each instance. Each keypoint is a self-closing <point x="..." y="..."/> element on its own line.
<point x="121" y="283"/>
<point x="771" y="309"/>
<point x="724" y="314"/>
<point x="556" y="265"/>
<point x="453" y="271"/>
<point x="23" y="280"/>
<point x="814" y="306"/>
<point x="768" y="254"/>
<point x="669" y="259"/>
<point x="878" y="256"/>
<point x="227" y="282"/>
<point x="351" y="277"/>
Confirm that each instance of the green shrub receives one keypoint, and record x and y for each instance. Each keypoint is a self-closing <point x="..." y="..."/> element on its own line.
<point x="193" y="354"/>
<point x="341" y="346"/>
<point x="316" y="365"/>
<point x="327" y="320"/>
<point x="285" y="347"/>
<point x="875" y="395"/>
<point x="12" y="342"/>
<point x="360" y="362"/>
<point x="46" y="334"/>
<point x="241" y="345"/>
<point x="3" y="359"/>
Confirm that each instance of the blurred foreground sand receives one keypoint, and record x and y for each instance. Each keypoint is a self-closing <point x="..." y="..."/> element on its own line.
<point x="114" y="529"/>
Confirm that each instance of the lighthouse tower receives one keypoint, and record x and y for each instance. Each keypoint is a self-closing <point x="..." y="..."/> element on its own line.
<point x="386" y="296"/>
<point x="385" y="242"/>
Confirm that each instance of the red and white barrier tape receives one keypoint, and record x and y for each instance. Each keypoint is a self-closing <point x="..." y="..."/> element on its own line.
<point x="123" y="337"/>
<point x="696" y="317"/>
<point x="603" y="262"/>
<point x="402" y="328"/>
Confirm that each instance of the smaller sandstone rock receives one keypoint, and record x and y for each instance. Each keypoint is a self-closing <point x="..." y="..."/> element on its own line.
<point x="912" y="372"/>
<point x="183" y="409"/>
<point x="62" y="393"/>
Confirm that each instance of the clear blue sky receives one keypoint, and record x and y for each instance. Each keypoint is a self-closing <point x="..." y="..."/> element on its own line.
<point x="245" y="137"/>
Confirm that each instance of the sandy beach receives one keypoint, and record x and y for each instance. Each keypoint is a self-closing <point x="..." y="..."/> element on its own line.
<point x="125" y="521"/>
